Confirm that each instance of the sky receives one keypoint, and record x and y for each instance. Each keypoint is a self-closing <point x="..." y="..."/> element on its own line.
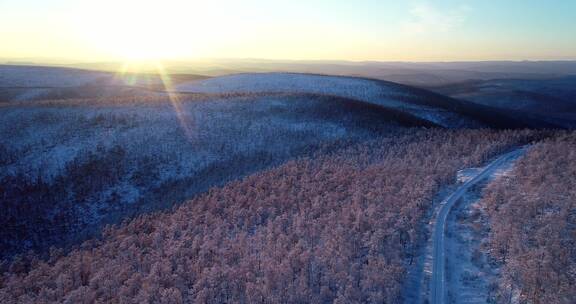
<point x="359" y="30"/>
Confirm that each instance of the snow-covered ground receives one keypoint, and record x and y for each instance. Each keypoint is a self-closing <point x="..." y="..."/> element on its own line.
<point x="48" y="137"/>
<point x="376" y="92"/>
<point x="471" y="277"/>
<point x="159" y="152"/>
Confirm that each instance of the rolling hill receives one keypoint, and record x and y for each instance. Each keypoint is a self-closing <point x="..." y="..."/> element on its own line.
<point x="29" y="83"/>
<point x="552" y="100"/>
<point x="75" y="164"/>
<point x="83" y="163"/>
<point x="438" y="109"/>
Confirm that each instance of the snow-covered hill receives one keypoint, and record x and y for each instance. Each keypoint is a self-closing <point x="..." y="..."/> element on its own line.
<point x="83" y="163"/>
<point x="29" y="83"/>
<point x="386" y="94"/>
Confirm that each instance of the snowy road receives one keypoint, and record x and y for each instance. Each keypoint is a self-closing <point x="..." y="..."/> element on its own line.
<point x="438" y="279"/>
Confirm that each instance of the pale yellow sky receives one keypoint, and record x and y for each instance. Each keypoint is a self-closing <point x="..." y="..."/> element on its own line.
<point x="443" y="30"/>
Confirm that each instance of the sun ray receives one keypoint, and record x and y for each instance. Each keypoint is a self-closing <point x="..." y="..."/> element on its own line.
<point x="183" y="117"/>
<point x="130" y="73"/>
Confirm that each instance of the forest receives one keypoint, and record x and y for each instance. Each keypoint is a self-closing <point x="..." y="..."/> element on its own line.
<point x="68" y="167"/>
<point x="340" y="226"/>
<point x="532" y="217"/>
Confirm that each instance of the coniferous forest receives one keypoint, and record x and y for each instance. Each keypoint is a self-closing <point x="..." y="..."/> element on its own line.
<point x="335" y="227"/>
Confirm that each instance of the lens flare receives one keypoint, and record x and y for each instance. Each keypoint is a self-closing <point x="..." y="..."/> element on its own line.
<point x="183" y="116"/>
<point x="132" y="73"/>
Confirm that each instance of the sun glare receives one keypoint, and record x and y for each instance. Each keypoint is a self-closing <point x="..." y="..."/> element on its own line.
<point x="135" y="42"/>
<point x="136" y="31"/>
<point x="152" y="73"/>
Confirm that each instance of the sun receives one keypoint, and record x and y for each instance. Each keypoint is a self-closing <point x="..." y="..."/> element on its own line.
<point x="136" y="42"/>
<point x="165" y="30"/>
<point x="141" y="48"/>
<point x="138" y="31"/>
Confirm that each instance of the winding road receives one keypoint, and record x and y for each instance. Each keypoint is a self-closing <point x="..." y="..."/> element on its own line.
<point x="438" y="278"/>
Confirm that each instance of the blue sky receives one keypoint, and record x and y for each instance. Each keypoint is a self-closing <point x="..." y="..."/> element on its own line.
<point x="315" y="29"/>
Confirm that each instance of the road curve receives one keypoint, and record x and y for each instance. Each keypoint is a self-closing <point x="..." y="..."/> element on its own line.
<point x="437" y="282"/>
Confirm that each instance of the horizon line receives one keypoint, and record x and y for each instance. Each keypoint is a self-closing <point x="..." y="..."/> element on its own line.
<point x="40" y="60"/>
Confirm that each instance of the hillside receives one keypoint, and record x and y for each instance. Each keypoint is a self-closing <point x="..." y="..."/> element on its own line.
<point x="73" y="165"/>
<point x="552" y="100"/>
<point x="380" y="93"/>
<point x="339" y="227"/>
